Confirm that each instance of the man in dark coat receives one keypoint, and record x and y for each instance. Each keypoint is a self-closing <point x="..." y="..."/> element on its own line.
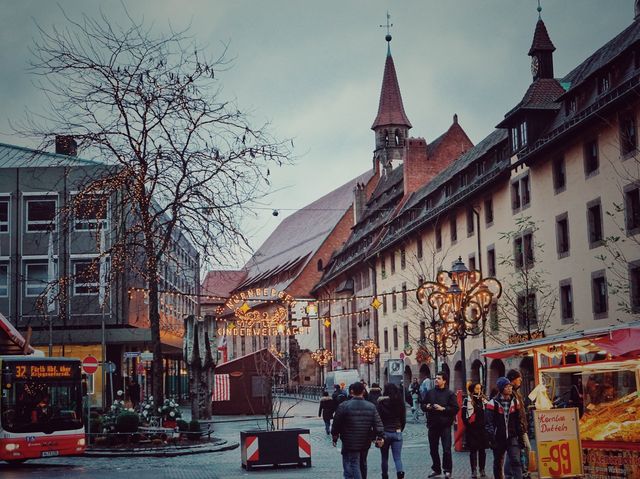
<point x="326" y="410"/>
<point x="356" y="422"/>
<point x="441" y="408"/>
<point x="502" y="421"/>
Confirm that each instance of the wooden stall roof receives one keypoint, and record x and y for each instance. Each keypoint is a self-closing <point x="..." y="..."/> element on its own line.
<point x="11" y="341"/>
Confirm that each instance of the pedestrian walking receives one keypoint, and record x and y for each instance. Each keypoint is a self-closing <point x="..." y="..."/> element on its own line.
<point x="475" y="432"/>
<point x="514" y="376"/>
<point x="394" y="418"/>
<point x="502" y="421"/>
<point x="374" y="393"/>
<point x="441" y="408"/>
<point x="339" y="394"/>
<point x="326" y="410"/>
<point x="356" y="422"/>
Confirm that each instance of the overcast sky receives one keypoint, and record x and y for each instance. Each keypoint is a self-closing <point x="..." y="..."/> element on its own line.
<point x="314" y="69"/>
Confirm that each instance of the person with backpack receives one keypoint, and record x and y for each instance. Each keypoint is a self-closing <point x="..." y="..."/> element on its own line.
<point x="326" y="410"/>
<point x="475" y="432"/>
<point x="441" y="408"/>
<point x="374" y="393"/>
<point x="394" y="418"/>
<point x="502" y="422"/>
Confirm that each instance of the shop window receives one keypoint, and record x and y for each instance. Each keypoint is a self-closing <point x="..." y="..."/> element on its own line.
<point x="599" y="294"/>
<point x="41" y="215"/>
<point x="86" y="278"/>
<point x="4" y="216"/>
<point x="632" y="209"/>
<point x="591" y="159"/>
<point x="559" y="175"/>
<point x="562" y="235"/>
<point x="395" y="338"/>
<point x="566" y="301"/>
<point x="36" y="278"/>
<point x="90" y="212"/>
<point x="594" y="222"/>
<point x="488" y="212"/>
<point x="628" y="134"/>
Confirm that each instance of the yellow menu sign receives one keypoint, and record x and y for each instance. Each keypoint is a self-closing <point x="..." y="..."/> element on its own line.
<point x="558" y="441"/>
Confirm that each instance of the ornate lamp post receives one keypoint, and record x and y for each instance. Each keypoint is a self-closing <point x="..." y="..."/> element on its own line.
<point x="462" y="299"/>
<point x="367" y="350"/>
<point x="322" y="356"/>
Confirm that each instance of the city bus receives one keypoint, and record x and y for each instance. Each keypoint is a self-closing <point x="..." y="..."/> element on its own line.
<point x="40" y="408"/>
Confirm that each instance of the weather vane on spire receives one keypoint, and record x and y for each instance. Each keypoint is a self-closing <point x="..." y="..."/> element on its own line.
<point x="388" y="26"/>
<point x="539" y="10"/>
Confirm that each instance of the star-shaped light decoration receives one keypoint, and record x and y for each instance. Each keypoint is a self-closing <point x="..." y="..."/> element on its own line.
<point x="376" y="303"/>
<point x="244" y="308"/>
<point x="327" y="323"/>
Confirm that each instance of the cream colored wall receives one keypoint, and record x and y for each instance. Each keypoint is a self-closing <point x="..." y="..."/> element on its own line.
<point x="543" y="209"/>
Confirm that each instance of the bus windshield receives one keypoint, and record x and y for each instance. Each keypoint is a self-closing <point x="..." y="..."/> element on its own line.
<point x="31" y="404"/>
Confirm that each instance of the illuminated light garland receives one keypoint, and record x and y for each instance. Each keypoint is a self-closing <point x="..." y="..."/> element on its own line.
<point x="322" y="356"/>
<point x="367" y="350"/>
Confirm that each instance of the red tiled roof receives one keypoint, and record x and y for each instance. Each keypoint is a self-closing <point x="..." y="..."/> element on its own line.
<point x="221" y="283"/>
<point x="541" y="39"/>
<point x="390" y="108"/>
<point x="542" y="92"/>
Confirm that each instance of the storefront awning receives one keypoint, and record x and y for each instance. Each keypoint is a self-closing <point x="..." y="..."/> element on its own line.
<point x="617" y="341"/>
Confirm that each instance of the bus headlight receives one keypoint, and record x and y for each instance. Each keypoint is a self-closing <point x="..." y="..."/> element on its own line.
<point x="11" y="446"/>
<point x="81" y="442"/>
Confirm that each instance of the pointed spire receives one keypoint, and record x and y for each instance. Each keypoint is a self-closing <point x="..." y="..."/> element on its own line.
<point x="541" y="39"/>
<point x="390" y="108"/>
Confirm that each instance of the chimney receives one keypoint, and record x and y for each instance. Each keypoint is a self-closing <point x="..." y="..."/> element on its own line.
<point x="416" y="166"/>
<point x="66" y="145"/>
<point x="359" y="200"/>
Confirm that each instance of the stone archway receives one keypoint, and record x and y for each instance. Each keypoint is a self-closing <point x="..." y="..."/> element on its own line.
<point x="457" y="382"/>
<point x="496" y="370"/>
<point x="424" y="372"/>
<point x="408" y="375"/>
<point x="476" y="371"/>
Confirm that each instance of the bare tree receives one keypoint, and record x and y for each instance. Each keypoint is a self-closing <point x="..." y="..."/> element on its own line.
<point x="528" y="301"/>
<point x="179" y="159"/>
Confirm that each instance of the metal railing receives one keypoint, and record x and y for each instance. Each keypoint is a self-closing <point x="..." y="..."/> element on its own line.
<point x="312" y="393"/>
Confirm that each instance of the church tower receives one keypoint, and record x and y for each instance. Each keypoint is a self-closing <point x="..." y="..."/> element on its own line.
<point x="391" y="125"/>
<point x="541" y="52"/>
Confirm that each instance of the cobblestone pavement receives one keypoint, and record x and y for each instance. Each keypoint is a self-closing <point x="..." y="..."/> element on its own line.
<point x="326" y="460"/>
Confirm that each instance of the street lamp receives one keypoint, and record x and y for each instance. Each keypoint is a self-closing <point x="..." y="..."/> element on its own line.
<point x="462" y="299"/>
<point x="322" y="356"/>
<point x="367" y="350"/>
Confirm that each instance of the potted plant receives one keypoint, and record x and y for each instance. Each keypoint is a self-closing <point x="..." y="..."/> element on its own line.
<point x="170" y="413"/>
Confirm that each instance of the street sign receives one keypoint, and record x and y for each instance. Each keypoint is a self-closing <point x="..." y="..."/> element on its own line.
<point x="110" y="367"/>
<point x="89" y="364"/>
<point x="131" y="354"/>
<point x="146" y="356"/>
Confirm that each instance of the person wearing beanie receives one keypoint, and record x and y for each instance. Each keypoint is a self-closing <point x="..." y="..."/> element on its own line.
<point x="502" y="422"/>
<point x="514" y="376"/>
<point x="441" y="407"/>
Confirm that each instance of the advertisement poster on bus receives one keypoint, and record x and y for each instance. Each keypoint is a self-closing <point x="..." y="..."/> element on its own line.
<point x="558" y="440"/>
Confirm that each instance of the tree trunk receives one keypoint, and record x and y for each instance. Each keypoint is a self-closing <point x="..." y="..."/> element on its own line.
<point x="154" y="322"/>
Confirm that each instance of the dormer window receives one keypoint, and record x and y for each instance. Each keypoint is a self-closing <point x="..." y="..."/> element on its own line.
<point x="572" y="105"/>
<point x="519" y="136"/>
<point x="481" y="167"/>
<point x="447" y="190"/>
<point x="464" y="180"/>
<point x="604" y="83"/>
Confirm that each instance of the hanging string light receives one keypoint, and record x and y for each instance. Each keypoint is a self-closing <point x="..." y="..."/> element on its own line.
<point x="367" y="350"/>
<point x="322" y="356"/>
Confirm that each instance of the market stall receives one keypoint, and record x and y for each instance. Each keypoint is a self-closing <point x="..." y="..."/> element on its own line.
<point x="597" y="372"/>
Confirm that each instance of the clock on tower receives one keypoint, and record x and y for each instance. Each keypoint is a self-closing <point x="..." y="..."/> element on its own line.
<point x="535" y="66"/>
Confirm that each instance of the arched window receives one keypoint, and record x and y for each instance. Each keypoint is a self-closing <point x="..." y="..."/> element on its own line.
<point x="398" y="137"/>
<point x="320" y="265"/>
<point x="386" y="138"/>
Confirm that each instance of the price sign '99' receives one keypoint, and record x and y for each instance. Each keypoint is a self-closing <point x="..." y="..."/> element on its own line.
<point x="559" y="449"/>
<point x="560" y="458"/>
